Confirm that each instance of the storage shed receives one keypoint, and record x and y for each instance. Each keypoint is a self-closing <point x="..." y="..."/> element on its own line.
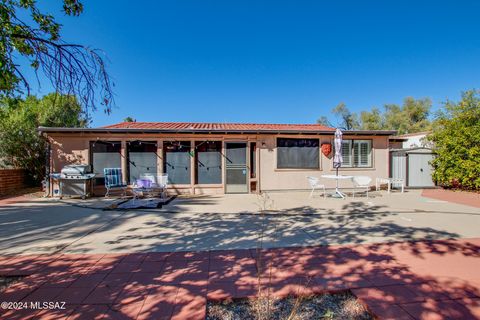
<point x="413" y="166"/>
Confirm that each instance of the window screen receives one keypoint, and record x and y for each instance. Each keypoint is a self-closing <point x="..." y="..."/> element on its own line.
<point x="104" y="154"/>
<point x="177" y="161"/>
<point x="142" y="159"/>
<point x="208" y="162"/>
<point x="253" y="159"/>
<point x="298" y="153"/>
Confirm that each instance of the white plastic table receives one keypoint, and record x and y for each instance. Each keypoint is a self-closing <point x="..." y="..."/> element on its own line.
<point x="389" y="182"/>
<point x="339" y="177"/>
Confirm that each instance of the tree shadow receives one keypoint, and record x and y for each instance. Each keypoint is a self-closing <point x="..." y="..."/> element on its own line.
<point x="436" y="275"/>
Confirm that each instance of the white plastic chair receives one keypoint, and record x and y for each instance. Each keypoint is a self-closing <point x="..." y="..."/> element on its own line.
<point x="314" y="184"/>
<point x="361" y="182"/>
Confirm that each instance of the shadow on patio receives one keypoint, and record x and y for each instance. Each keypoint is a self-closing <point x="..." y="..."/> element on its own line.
<point x="397" y="279"/>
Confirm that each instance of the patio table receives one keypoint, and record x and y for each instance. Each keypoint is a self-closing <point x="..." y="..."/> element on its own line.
<point x="335" y="177"/>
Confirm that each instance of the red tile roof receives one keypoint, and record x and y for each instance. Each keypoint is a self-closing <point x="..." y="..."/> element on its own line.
<point x="199" y="126"/>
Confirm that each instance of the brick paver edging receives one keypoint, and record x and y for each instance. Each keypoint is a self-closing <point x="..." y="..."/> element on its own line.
<point x="461" y="197"/>
<point x="403" y="280"/>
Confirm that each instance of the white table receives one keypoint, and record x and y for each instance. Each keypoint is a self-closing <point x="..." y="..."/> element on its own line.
<point x="339" y="177"/>
<point x="389" y="182"/>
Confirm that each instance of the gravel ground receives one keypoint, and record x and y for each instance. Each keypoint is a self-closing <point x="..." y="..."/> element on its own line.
<point x="326" y="306"/>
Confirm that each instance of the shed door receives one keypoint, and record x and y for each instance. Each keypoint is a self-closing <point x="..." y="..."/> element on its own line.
<point x="399" y="167"/>
<point x="419" y="170"/>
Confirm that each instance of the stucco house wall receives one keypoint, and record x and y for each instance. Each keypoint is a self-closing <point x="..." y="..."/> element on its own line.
<point x="272" y="178"/>
<point x="73" y="148"/>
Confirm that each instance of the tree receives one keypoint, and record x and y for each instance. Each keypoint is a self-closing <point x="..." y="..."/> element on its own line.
<point x="72" y="69"/>
<point x="323" y="120"/>
<point x="411" y="117"/>
<point x="129" y="119"/>
<point x="20" y="144"/>
<point x="372" y="120"/>
<point x="348" y="120"/>
<point x="456" y="136"/>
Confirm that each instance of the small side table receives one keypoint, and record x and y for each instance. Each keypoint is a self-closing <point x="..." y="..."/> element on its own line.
<point x="389" y="182"/>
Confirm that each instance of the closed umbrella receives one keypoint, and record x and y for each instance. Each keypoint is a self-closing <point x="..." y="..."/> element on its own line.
<point x="337" y="158"/>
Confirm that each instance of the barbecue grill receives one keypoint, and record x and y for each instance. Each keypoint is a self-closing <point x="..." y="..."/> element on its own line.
<point x="75" y="180"/>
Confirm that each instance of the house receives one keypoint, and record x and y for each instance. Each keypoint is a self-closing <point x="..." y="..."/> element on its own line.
<point x="217" y="158"/>
<point x="410" y="140"/>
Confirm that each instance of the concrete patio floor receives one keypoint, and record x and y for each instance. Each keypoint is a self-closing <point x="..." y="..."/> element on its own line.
<point x="203" y="223"/>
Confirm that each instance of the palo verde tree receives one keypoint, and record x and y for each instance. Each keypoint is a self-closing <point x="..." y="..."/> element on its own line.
<point x="20" y="144"/>
<point x="456" y="140"/>
<point x="72" y="69"/>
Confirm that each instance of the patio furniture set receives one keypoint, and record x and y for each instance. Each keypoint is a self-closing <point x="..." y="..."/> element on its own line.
<point x="361" y="183"/>
<point x="147" y="185"/>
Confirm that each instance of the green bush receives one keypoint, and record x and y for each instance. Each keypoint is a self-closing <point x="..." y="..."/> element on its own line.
<point x="20" y="144"/>
<point x="456" y="138"/>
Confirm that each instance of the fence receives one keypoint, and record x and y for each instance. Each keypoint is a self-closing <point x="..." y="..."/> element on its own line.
<point x="11" y="179"/>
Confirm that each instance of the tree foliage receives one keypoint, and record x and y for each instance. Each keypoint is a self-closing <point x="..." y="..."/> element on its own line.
<point x="20" y="144"/>
<point x="72" y="69"/>
<point x="412" y="116"/>
<point x="129" y="119"/>
<point x="349" y="120"/>
<point x="456" y="139"/>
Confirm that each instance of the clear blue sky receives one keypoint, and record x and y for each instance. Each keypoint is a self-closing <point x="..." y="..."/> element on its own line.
<point x="276" y="61"/>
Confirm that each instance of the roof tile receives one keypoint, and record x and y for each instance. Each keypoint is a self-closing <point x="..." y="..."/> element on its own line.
<point x="219" y="126"/>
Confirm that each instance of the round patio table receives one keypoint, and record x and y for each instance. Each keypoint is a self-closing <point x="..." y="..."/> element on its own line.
<point x="338" y="193"/>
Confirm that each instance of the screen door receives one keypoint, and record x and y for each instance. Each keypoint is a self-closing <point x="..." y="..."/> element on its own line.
<point x="236" y="167"/>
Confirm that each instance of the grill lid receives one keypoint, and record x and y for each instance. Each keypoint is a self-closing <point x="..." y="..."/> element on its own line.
<point x="77" y="169"/>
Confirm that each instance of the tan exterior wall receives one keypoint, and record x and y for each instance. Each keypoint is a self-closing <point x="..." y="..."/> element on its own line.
<point x="272" y="178"/>
<point x="74" y="149"/>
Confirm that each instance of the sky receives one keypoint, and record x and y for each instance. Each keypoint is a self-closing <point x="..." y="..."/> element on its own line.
<point x="275" y="61"/>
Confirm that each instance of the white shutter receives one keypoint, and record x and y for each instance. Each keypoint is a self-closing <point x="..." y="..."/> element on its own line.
<point x="347" y="153"/>
<point x="356" y="154"/>
<point x="363" y="153"/>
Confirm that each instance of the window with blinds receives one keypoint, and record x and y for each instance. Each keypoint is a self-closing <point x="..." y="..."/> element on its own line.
<point x="298" y="153"/>
<point x="357" y="153"/>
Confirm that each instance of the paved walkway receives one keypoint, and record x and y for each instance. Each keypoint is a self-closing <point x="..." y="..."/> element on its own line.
<point x="404" y="280"/>
<point x="460" y="197"/>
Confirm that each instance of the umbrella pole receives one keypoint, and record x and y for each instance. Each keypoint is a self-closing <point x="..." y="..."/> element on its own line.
<point x="336" y="188"/>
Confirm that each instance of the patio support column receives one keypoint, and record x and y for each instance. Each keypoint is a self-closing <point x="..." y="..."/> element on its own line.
<point x="160" y="156"/>
<point x="123" y="152"/>
<point x="192" y="166"/>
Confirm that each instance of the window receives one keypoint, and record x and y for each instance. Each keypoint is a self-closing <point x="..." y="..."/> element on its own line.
<point x="357" y="153"/>
<point x="177" y="161"/>
<point x="208" y="162"/>
<point x="253" y="160"/>
<point x="142" y="159"/>
<point x="298" y="153"/>
<point x="104" y="154"/>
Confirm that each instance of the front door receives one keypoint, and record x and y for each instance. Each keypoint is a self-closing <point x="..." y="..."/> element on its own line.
<point x="236" y="173"/>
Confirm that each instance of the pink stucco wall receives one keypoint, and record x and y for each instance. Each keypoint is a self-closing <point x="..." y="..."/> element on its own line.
<point x="70" y="148"/>
<point x="272" y="178"/>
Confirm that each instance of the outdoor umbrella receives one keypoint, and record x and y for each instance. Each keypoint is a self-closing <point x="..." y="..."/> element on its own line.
<point x="337" y="158"/>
